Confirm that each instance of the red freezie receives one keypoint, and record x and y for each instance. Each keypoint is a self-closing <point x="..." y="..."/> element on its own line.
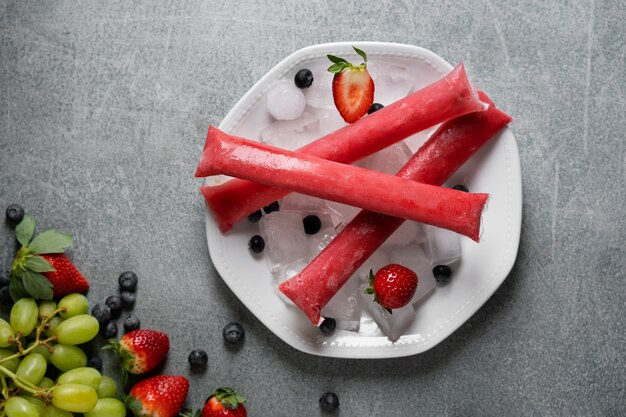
<point x="443" y="153"/>
<point x="442" y="207"/>
<point x="450" y="97"/>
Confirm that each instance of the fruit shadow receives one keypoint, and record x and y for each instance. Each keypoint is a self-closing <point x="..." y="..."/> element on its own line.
<point x="431" y="361"/>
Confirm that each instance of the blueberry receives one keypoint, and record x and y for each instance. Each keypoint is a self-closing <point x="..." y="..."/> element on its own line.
<point x="442" y="273"/>
<point x="4" y="279"/>
<point x="128" y="298"/>
<point x="131" y="323"/>
<point x="115" y="304"/>
<point x="128" y="281"/>
<point x="329" y="402"/>
<point x="328" y="325"/>
<point x="109" y="331"/>
<point x="256" y="244"/>
<point x="271" y="207"/>
<point x="375" y="107"/>
<point x="233" y="333"/>
<point x="303" y="78"/>
<point x="102" y="313"/>
<point x="460" y="187"/>
<point x="198" y="359"/>
<point x="312" y="224"/>
<point x="95" y="362"/>
<point x="15" y="214"/>
<point x="255" y="217"/>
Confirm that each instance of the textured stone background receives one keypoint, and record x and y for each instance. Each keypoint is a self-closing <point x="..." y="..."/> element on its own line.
<point x="103" y="110"/>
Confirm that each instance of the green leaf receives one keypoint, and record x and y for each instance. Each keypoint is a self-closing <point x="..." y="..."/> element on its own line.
<point x="37" y="285"/>
<point x="16" y="289"/>
<point x="368" y="290"/>
<point x="50" y="241"/>
<point x="38" y="264"/>
<point x="337" y="68"/>
<point x="361" y="53"/>
<point x="24" y="231"/>
<point x="336" y="59"/>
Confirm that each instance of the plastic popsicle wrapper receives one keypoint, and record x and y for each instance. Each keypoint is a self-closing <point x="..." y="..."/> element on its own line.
<point x="383" y="193"/>
<point x="441" y="155"/>
<point x="447" y="98"/>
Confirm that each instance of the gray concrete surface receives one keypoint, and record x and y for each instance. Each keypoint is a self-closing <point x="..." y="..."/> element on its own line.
<point x="103" y="110"/>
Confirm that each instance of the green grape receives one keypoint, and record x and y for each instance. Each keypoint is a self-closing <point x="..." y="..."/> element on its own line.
<point x="52" y="411"/>
<point x="42" y="350"/>
<point x="46" y="383"/>
<point x="24" y="316"/>
<point x="52" y="326"/>
<point x="6" y="332"/>
<point x="107" y="407"/>
<point x="12" y="364"/>
<point x="85" y="376"/>
<point x="75" y="398"/>
<point x="107" y="387"/>
<point x="32" y="368"/>
<point x="46" y="308"/>
<point x="77" y="330"/>
<point x="74" y="305"/>
<point x="68" y="357"/>
<point x="19" y="407"/>
<point x="38" y="404"/>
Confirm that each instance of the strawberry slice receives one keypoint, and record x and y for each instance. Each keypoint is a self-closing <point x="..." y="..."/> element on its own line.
<point x="40" y="269"/>
<point x="353" y="87"/>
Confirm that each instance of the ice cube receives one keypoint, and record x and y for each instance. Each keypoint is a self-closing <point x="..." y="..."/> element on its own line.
<point x="378" y="259"/>
<point x="393" y="82"/>
<point x="414" y="258"/>
<point x="442" y="247"/>
<point x="301" y="202"/>
<point x="342" y="213"/>
<point x="345" y="307"/>
<point x="318" y="241"/>
<point x="394" y="324"/>
<point x="320" y="93"/>
<point x="292" y="134"/>
<point x="388" y="160"/>
<point x="406" y="234"/>
<point x="285" y="101"/>
<point x="330" y="120"/>
<point x="285" y="241"/>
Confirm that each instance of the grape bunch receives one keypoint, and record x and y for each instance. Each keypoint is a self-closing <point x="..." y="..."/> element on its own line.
<point x="41" y="339"/>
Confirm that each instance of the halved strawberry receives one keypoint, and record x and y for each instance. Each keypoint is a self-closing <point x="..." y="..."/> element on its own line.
<point x="41" y="269"/>
<point x="140" y="350"/>
<point x="353" y="87"/>
<point x="159" y="396"/>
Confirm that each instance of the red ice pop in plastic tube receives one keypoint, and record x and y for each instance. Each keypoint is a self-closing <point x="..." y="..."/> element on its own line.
<point x="450" y="97"/>
<point x="443" y="153"/>
<point x="442" y="207"/>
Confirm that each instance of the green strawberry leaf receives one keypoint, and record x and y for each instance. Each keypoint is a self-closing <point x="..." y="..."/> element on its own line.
<point x="337" y="68"/>
<point x="361" y="53"/>
<point x="38" y="264"/>
<point x="50" y="241"/>
<point x="368" y="290"/>
<point x="37" y="285"/>
<point x="16" y="289"/>
<point x="336" y="59"/>
<point x="229" y="398"/>
<point x="24" y="231"/>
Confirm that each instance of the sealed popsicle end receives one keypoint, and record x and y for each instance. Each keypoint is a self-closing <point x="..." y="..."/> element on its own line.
<point x="466" y="92"/>
<point x="217" y="206"/>
<point x="213" y="138"/>
<point x="292" y="289"/>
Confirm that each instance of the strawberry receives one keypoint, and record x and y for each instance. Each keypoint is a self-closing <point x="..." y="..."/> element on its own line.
<point x="66" y="279"/>
<point x="353" y="87"/>
<point x="159" y="396"/>
<point x="140" y="350"/>
<point x="41" y="270"/>
<point x="393" y="286"/>
<point x="225" y="402"/>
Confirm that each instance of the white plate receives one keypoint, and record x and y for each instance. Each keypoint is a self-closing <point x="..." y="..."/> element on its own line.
<point x="495" y="169"/>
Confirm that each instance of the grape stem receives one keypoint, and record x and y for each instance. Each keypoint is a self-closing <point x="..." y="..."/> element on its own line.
<point x="5" y="388"/>
<point x="21" y="383"/>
